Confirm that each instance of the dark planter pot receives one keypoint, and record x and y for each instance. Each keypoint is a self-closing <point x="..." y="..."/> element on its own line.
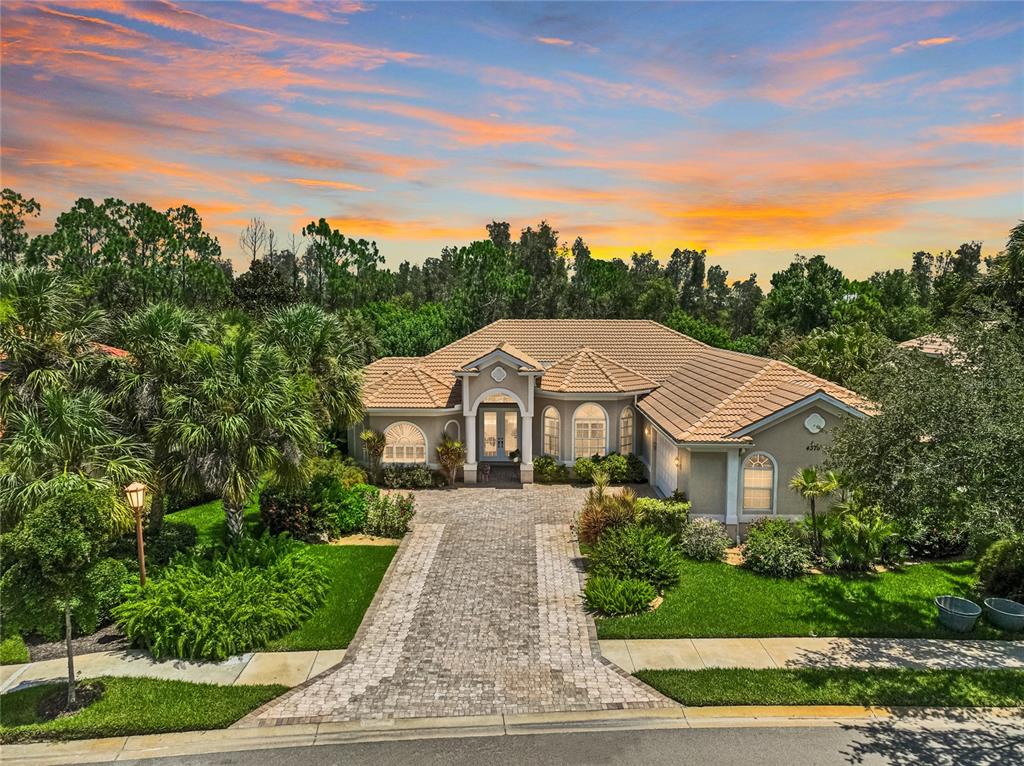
<point x="1004" y="613"/>
<point x="957" y="614"/>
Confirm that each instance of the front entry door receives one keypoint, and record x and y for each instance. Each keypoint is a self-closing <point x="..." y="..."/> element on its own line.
<point x="500" y="433"/>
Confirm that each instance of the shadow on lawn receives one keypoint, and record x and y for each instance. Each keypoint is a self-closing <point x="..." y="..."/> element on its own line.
<point x="867" y="605"/>
<point x="954" y="739"/>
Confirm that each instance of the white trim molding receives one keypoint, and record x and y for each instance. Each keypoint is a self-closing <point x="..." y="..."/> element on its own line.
<point x="816" y="397"/>
<point x="607" y="428"/>
<point x="499" y="390"/>
<point x="775" y="486"/>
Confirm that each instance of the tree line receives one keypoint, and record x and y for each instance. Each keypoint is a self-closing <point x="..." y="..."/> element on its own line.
<point x="126" y="255"/>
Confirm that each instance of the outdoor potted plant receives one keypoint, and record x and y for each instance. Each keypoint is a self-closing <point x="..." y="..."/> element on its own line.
<point x="514" y="455"/>
<point x="957" y="614"/>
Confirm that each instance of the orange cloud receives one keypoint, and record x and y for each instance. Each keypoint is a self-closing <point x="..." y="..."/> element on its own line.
<point x="316" y="183"/>
<point x="929" y="42"/>
<point x="1008" y="132"/>
<point x="554" y="41"/>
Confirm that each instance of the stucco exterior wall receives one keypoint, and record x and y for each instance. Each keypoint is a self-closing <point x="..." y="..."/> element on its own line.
<point x="566" y="408"/>
<point x="793" y="447"/>
<point x="431" y="425"/>
<point x="706" y="482"/>
<point x="513" y="381"/>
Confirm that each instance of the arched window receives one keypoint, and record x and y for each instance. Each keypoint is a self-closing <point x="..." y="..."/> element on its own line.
<point x="452" y="430"/>
<point x="590" y="429"/>
<point x="759" y="484"/>
<point x="552" y="433"/>
<point x="626" y="431"/>
<point x="405" y="443"/>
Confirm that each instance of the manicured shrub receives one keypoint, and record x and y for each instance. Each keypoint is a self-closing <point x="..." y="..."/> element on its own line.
<point x="408" y="477"/>
<point x="106" y="583"/>
<point x="1001" y="569"/>
<point x="933" y="535"/>
<point x="603" y="511"/>
<point x="775" y="548"/>
<point x="704" y="540"/>
<point x="233" y="600"/>
<point x="13" y="651"/>
<point x="344" y="469"/>
<point x="295" y="512"/>
<point x="345" y="506"/>
<point x="637" y="552"/>
<point x="583" y="470"/>
<point x="614" y="597"/>
<point x="389" y="515"/>
<point x="616" y="466"/>
<point x="667" y="516"/>
<point x="547" y="471"/>
<point x="855" y="538"/>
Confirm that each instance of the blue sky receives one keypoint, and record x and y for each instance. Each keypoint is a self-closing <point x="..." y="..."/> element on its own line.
<point x="864" y="131"/>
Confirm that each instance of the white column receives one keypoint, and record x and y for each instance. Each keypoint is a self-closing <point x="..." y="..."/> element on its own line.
<point x="732" y="487"/>
<point x="469" y="469"/>
<point x="526" y="452"/>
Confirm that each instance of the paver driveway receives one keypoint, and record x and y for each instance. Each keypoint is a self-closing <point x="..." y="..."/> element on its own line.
<point x="480" y="613"/>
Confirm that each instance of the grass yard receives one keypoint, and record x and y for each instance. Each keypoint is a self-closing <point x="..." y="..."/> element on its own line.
<point x="840" y="686"/>
<point x="131" y="706"/>
<point x="354" y="572"/>
<point x="715" y="600"/>
<point x="209" y="521"/>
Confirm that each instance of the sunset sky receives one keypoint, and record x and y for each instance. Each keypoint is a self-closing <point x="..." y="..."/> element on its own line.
<point x="861" y="131"/>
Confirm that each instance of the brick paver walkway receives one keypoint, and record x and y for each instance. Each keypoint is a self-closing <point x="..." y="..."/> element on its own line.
<point x="479" y="614"/>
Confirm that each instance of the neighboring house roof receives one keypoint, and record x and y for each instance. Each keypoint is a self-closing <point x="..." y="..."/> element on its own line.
<point x="932" y="345"/>
<point x="587" y="371"/>
<point x="701" y="393"/>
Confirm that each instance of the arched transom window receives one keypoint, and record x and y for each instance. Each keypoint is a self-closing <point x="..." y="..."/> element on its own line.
<point x="405" y="443"/>
<point x="552" y="432"/>
<point x="626" y="431"/>
<point x="590" y="426"/>
<point x="758" y="484"/>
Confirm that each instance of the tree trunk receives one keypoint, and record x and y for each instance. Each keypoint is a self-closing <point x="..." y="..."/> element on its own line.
<point x="814" y="526"/>
<point x="236" y="521"/>
<point x="71" y="655"/>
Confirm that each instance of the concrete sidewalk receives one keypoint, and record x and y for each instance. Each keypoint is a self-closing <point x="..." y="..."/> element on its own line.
<point x="286" y="668"/>
<point x="185" y="744"/>
<point x="294" y="668"/>
<point x="918" y="653"/>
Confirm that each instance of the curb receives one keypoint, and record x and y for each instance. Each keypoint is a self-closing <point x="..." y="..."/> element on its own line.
<point x="378" y="730"/>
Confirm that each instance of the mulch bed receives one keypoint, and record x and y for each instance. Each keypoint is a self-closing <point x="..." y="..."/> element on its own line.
<point x="55" y="705"/>
<point x="107" y="639"/>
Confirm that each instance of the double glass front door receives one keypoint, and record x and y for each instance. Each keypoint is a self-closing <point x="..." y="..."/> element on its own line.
<point x="500" y="433"/>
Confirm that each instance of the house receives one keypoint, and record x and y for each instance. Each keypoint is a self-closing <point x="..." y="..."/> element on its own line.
<point x="937" y="346"/>
<point x="726" y="429"/>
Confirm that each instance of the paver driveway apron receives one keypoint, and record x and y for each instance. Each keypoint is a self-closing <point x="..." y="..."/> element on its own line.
<point x="479" y="614"/>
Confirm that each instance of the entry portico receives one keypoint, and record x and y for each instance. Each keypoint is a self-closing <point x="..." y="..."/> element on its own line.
<point x="721" y="427"/>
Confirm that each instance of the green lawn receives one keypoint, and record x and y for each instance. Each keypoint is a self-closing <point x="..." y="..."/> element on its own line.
<point x="132" y="706"/>
<point x="209" y="521"/>
<point x="718" y="600"/>
<point x="840" y="686"/>
<point x="354" y="571"/>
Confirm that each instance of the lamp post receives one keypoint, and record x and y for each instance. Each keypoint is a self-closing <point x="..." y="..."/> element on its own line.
<point x="136" y="494"/>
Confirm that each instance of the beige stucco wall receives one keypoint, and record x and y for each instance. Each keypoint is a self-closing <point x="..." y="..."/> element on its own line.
<point x="793" y="448"/>
<point x="705" y="485"/>
<point x="431" y="425"/>
<point x="515" y="382"/>
<point x="566" y="408"/>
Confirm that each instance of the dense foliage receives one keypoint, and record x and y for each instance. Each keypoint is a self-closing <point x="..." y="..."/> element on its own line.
<point x="234" y="600"/>
<point x="603" y="510"/>
<point x="669" y="516"/>
<point x="546" y="470"/>
<point x="856" y="537"/>
<point x="1001" y="569"/>
<point x="397" y="476"/>
<point x="389" y="515"/>
<point x="704" y="540"/>
<point x="636" y="552"/>
<point x="613" y="596"/>
<point x="620" y="469"/>
<point x="774" y="547"/>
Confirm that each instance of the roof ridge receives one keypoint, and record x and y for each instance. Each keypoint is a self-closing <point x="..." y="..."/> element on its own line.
<point x="617" y="363"/>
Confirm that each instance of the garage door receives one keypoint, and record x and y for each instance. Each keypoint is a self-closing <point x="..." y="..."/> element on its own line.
<point x="666" y="474"/>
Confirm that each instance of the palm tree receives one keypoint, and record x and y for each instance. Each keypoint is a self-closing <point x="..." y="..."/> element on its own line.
<point x="811" y="485"/>
<point x="317" y="344"/>
<point x="63" y="442"/>
<point x="162" y="340"/>
<point x="242" y="416"/>
<point x="374" y="442"/>
<point x="47" y="334"/>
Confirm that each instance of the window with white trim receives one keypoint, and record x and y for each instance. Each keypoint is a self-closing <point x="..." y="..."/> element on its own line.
<point x="552" y="436"/>
<point x="626" y="420"/>
<point x="404" y="443"/>
<point x="590" y="424"/>
<point x="758" y="484"/>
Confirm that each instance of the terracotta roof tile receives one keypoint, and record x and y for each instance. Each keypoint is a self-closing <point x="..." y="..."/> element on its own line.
<point x="399" y="382"/>
<point x="587" y="371"/>
<point x="529" y="363"/>
<point x="932" y="345"/>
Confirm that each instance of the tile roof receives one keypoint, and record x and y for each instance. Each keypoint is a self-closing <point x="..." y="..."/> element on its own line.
<point x="701" y="393"/>
<point x="585" y="370"/>
<point x="529" y="363"/>
<point x="932" y="345"/>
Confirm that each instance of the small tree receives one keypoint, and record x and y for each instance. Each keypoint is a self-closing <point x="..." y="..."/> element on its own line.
<point x="452" y="456"/>
<point x="51" y="553"/>
<point x="374" y="442"/>
<point x="811" y="485"/>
